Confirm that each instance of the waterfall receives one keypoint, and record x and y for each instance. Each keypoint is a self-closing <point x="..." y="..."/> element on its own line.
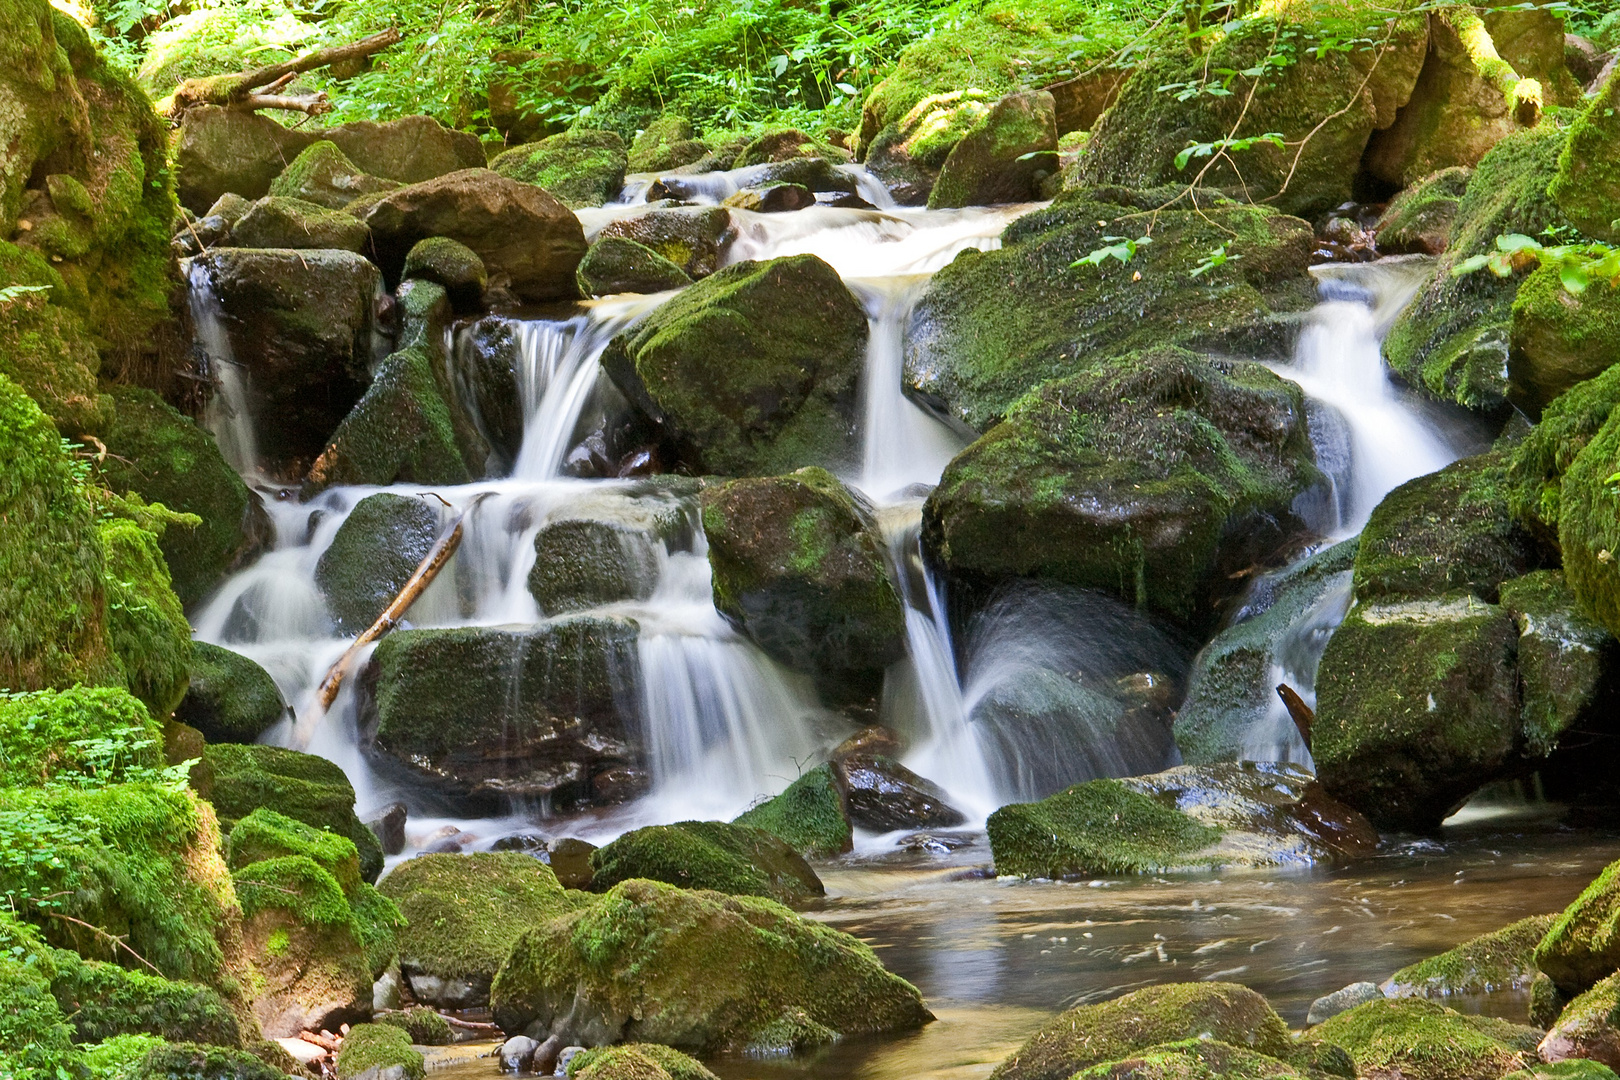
<point x="227" y="413"/>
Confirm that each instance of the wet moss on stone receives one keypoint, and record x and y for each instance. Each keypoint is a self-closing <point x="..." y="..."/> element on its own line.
<point x="1194" y="1059"/>
<point x="582" y="167"/>
<point x="1587" y="185"/>
<point x="193" y="1061"/>
<point x="376" y="550"/>
<point x="1589" y="524"/>
<point x="1501" y="960"/>
<point x="1540" y="459"/>
<point x="809" y="815"/>
<point x="618" y="264"/>
<point x="1423" y="1040"/>
<point x="1559" y="339"/>
<point x="451" y="264"/>
<point x="1419" y="219"/>
<point x="276" y="221"/>
<point x="378" y="1046"/>
<point x="636" y="1061"/>
<point x="1095" y="828"/>
<point x="322" y="174"/>
<point x="1564" y="660"/>
<point x="1583" y="943"/>
<point x="265" y="834"/>
<point x="738" y="860"/>
<point x="230" y="698"/>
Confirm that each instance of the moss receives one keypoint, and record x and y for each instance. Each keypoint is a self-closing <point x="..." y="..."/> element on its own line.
<point x="752" y="371"/>
<point x="464" y="912"/>
<point x="191" y="1061"/>
<point x="1587" y="185"/>
<point x="581" y="563"/>
<point x="279" y="222"/>
<point x="1589" y="524"/>
<point x="1583" y="943"/>
<point x="794" y="1032"/>
<point x="651" y="950"/>
<point x="582" y="168"/>
<point x="1540" y="459"/>
<point x="1422" y="1040"/>
<point x="265" y="834"/>
<point x="451" y="264"/>
<point x="665" y="143"/>
<point x="809" y="815"/>
<point x="46" y="346"/>
<point x="102" y="1001"/>
<point x="1419" y="219"/>
<point x="1589" y="1026"/>
<point x="378" y="1046"/>
<point x="230" y="698"/>
<point x="1098" y="827"/>
<point x="1559" y="339"/>
<point x="1452" y="340"/>
<point x="636" y="1061"/>
<point x="38" y="733"/>
<point x="218" y="40"/>
<point x="322" y="174"/>
<point x="424" y="1027"/>
<point x="120" y="1057"/>
<point x="733" y="859"/>
<point x="1091" y="1034"/>
<point x="1563" y="660"/>
<point x="147" y="628"/>
<point x="1573" y="1069"/>
<point x="1193" y="1059"/>
<point x="380" y="922"/>
<point x="1500" y="960"/>
<point x="239" y="779"/>
<point x="692" y="238"/>
<point x="32" y="1031"/>
<point x="376" y="550"/>
<point x="617" y="264"/>
<point x="1003" y="157"/>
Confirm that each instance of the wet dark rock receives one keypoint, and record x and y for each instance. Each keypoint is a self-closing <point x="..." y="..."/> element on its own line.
<point x="933" y="844"/>
<point x="1331" y="1005"/>
<point x="619" y="784"/>
<point x="376" y="550"/>
<point x="488" y="354"/>
<point x="230" y="698"/>
<point x="883" y="795"/>
<point x="581" y="563"/>
<point x="389" y="827"/>
<point x="693" y="238"/>
<point x="570" y="859"/>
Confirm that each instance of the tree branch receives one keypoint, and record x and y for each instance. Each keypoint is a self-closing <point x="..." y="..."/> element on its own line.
<point x="256" y="89"/>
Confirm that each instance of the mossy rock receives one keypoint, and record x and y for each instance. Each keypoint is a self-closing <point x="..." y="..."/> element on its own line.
<point x="1559" y="339"/>
<point x="906" y="155"/>
<point x="653" y="951"/>
<point x="230" y="697"/>
<point x="1501" y="960"/>
<point x="1194" y="1059"/>
<point x="1568" y="1069"/>
<point x="276" y="221"/>
<point x="1418" y="221"/>
<point x="1003" y="157"/>
<point x="163" y="456"/>
<point x="1417" y="707"/>
<point x="1451" y="530"/>
<point x="1540" y="459"/>
<point x="451" y="264"/>
<point x="1452" y="340"/>
<point x="1583" y="943"/>
<point x="39" y="731"/>
<point x="46" y="346"/>
<point x="1231" y="694"/>
<point x="380" y="922"/>
<point x="1088" y="1035"/>
<point x="752" y="371"/>
<point x="476" y="712"/>
<point x="423" y="1026"/>
<point x="146" y="625"/>
<point x="800" y="567"/>
<point x="265" y="834"/>
<point x="666" y="143"/>
<point x="738" y="860"/>
<point x="1098" y="827"/>
<point x="322" y="174"/>
<point x="1587" y="1028"/>
<point x="581" y="167"/>
<point x="1587" y="185"/>
<point x="994" y="325"/>
<point x="1153" y="477"/>
<point x="694" y="238"/>
<point x="1423" y="1040"/>
<point x="617" y="264"/>
<point x="193" y="1061"/>
<point x="378" y="1046"/>
<point x="809" y="815"/>
<point x="636" y="1061"/>
<point x="463" y="913"/>
<point x="1566" y="666"/>
<point x="1589" y="525"/>
<point x="239" y="779"/>
<point x="375" y="552"/>
<point x="102" y="1001"/>
<point x="582" y="563"/>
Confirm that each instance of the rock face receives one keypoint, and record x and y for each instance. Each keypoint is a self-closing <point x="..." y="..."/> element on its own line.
<point x="799" y="566"/>
<point x="230" y="698"/>
<point x="1587" y="186"/>
<point x="484" y="714"/>
<point x="463" y="914"/>
<point x="1152" y="477"/>
<point x="1003" y="157"/>
<point x="734" y="859"/>
<point x="616" y="264"/>
<point x="301" y="324"/>
<point x="322" y="174"/>
<point x="692" y="237"/>
<point x="530" y="242"/>
<point x="1567" y="666"/>
<point x="657" y="987"/>
<point x="883" y="795"/>
<point x="1236" y="814"/>
<point x="1416" y="1038"/>
<point x="1559" y="339"/>
<point x="581" y="563"/>
<point x="375" y="551"/>
<point x="278" y="222"/>
<point x="750" y="372"/>
<point x="1501" y="960"/>
<point x="582" y="168"/>
<point x="994" y="325"/>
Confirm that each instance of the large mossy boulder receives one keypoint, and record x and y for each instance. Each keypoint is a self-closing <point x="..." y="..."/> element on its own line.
<point x="752" y="371"/>
<point x="1568" y="667"/>
<point x="322" y="174"/>
<point x="279" y="222"/>
<point x="1089" y="1035"/>
<point x="694" y="238"/>
<point x="617" y="264"/>
<point x="582" y="563"/>
<point x="1452" y="340"/>
<point x="735" y="859"/>
<point x="374" y="553"/>
<point x="800" y="567"/>
<point x="644" y="962"/>
<point x="463" y="914"/>
<point x="103" y="1001"/>
<point x="1423" y="1040"/>
<point x="529" y="241"/>
<point x="1153" y="477"/>
<point x="1501" y="960"/>
<point x="47" y="347"/>
<point x="906" y="155"/>
<point x="1540" y="459"/>
<point x="1587" y="1032"/>
<point x="809" y="815"/>
<point x="582" y="168"/>
<point x="1587" y="185"/>
<point x="993" y="325"/>
<point x="195" y="1061"/>
<point x="1002" y="157"/>
<point x="1559" y="338"/>
<point x="1589" y="522"/>
<point x="239" y="778"/>
<point x="1583" y="943"/>
<point x="484" y="715"/>
<point x="230" y="697"/>
<point x="379" y="1049"/>
<point x="145" y="623"/>
<point x="163" y="456"/>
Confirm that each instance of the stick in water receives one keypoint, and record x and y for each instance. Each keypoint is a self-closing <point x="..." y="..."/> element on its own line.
<point x="1302" y="714"/>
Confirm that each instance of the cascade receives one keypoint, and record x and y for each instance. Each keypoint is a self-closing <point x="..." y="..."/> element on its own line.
<point x="228" y="414"/>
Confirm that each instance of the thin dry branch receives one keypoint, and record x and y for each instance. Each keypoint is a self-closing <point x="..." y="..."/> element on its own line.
<point x="256" y="89"/>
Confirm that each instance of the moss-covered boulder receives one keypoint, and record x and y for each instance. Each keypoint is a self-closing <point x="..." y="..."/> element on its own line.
<point x="230" y="698"/>
<point x="1587" y="1030"/>
<point x="800" y="567"/>
<point x="43" y="734"/>
<point x="265" y="834"/>
<point x="1583" y="943"/>
<point x="1153" y="477"/>
<point x="694" y="238"/>
<point x="1501" y="960"/>
<point x="165" y="457"/>
<point x="483" y="714"/>
<point x="617" y="264"/>
<point x="1099" y="827"/>
<point x="276" y="221"/>
<point x="738" y="860"/>
<point x="582" y="563"/>
<point x="752" y="371"/>
<point x="219" y="150"/>
<point x="195" y="1061"/>
<point x="1423" y="1040"/>
<point x="1002" y="157"/>
<point x="1539" y="460"/>
<point x="1194" y="1059"/>
<point x="381" y="1047"/>
<point x="1452" y="341"/>
<point x="1587" y="184"/>
<point x="582" y="168"/>
<point x="463" y="913"/>
<point x="636" y="1061"/>
<point x="1418" y="221"/>
<point x="1089" y="1035"/>
<point x="376" y="550"/>
<point x="46" y="346"/>
<point x="666" y="143"/>
<point x="1589" y="523"/>
<point x="906" y="155"/>
<point x="641" y="963"/>
<point x="1559" y="338"/>
<point x="1231" y="711"/>
<point x="451" y="264"/>
<point x="529" y="241"/>
<point x="809" y="815"/>
<point x="994" y="325"/>
<point x="322" y="174"/>
<point x="239" y="779"/>
<point x="1567" y="666"/>
<point x="424" y="1026"/>
<point x="102" y="1001"/>
<point x="147" y="628"/>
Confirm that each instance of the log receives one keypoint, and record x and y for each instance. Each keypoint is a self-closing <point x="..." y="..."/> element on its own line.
<point x="256" y="89"/>
<point x="1302" y="714"/>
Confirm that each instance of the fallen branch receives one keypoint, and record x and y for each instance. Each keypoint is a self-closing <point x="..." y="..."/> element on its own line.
<point x="1303" y="715"/>
<point x="99" y="932"/>
<point x="1523" y="95"/>
<point x="242" y="90"/>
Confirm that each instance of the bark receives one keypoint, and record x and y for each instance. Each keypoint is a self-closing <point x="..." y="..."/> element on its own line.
<point x="256" y="89"/>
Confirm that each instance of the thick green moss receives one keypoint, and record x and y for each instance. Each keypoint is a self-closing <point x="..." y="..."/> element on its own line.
<point x="1589" y="524"/>
<point x="1564" y="659"/>
<point x="1194" y="1059"/>
<point x="1422" y="1040"/>
<point x="582" y="168"/>
<point x="376" y="550"/>
<point x="652" y="951"/>
<point x="1559" y="339"/>
<point x="276" y="221"/>
<point x="191" y="1061"/>
<point x="38" y="732"/>
<point x="46" y="346"/>
<point x="1588" y="1027"/>
<point x="809" y="815"/>
<point x="617" y="264"/>
<point x="582" y="563"/>
<point x="219" y="40"/>
<point x="322" y="174"/>
<point x="1003" y="157"/>
<point x="379" y="1046"/>
<point x="424" y="1027"/>
<point x="691" y="237"/>
<point x="32" y="1032"/>
<point x="1587" y="186"/>
<point x="102" y="1000"/>
<point x="1098" y="827"/>
<point x="1572" y="1069"/>
<point x="265" y="834"/>
<point x="465" y="911"/>
<point x="148" y="629"/>
<point x="1419" y="219"/>
<point x="1088" y="1035"/>
<point x="752" y="371"/>
<point x="380" y="922"/>
<point x="1541" y="458"/>
<point x="735" y="859"/>
<point x="636" y="1061"/>
<point x="231" y="698"/>
<point x="1501" y="960"/>
<point x="1583" y="943"/>
<point x="453" y="265"/>
<point x="119" y="1057"/>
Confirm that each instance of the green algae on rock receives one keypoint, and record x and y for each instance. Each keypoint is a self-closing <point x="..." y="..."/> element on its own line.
<point x="693" y="238"/>
<point x="738" y="860"/>
<point x="582" y="167"/>
<point x="378" y="1046"/>
<point x="1501" y="960"/>
<point x="1587" y="185"/>
<point x="322" y="174"/>
<point x="1559" y="338"/>
<point x="1423" y="1040"/>
<point x="195" y="1061"/>
<point x="1589" y="524"/>
<point x="582" y="563"/>
<point x="451" y="264"/>
<point x="809" y="815"/>
<point x="666" y="143"/>
<point x="618" y="264"/>
<point x="375" y="551"/>
<point x="230" y="698"/>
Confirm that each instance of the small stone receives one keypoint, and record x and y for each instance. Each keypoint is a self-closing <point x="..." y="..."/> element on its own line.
<point x="517" y="1052"/>
<point x="1339" y="1001"/>
<point x="568" y="1054"/>
<point x="389" y="826"/>
<point x="385" y="991"/>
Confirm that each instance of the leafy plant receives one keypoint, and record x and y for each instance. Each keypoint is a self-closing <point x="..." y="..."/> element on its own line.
<point x="1235" y="146"/>
<point x="1578" y="264"/>
<point x="1116" y="247"/>
<point x="1217" y="258"/>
